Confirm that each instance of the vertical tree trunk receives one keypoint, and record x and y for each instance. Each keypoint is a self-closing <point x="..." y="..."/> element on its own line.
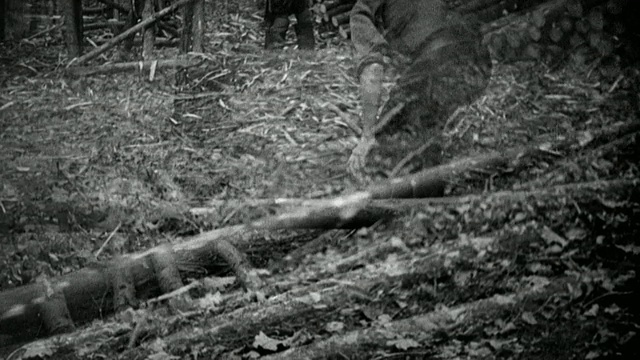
<point x="50" y="6"/>
<point x="3" y="14"/>
<point x="187" y="28"/>
<point x="198" y="26"/>
<point x="72" y="14"/>
<point x="185" y="40"/>
<point x="149" y="36"/>
<point x="134" y="11"/>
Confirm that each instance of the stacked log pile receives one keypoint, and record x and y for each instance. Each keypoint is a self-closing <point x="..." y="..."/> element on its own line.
<point x="520" y="29"/>
<point x="333" y="15"/>
<point x="580" y="27"/>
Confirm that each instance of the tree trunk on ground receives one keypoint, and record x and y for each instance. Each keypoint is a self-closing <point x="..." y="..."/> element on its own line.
<point x="89" y="293"/>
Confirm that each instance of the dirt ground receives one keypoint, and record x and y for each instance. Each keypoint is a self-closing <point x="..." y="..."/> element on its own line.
<point x="540" y="262"/>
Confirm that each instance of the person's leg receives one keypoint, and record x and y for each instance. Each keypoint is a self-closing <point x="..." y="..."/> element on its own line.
<point x="304" y="26"/>
<point x="277" y="24"/>
<point x="277" y="32"/>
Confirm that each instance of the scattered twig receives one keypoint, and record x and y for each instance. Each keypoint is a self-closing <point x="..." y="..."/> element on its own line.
<point x="81" y="104"/>
<point x="386" y="118"/>
<point x="118" y="7"/>
<point x="409" y="157"/>
<point x="44" y="32"/>
<point x="104" y="245"/>
<point x="175" y="293"/>
<point x="345" y="118"/>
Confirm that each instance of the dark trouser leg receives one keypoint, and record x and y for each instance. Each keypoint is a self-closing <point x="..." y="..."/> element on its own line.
<point x="277" y="26"/>
<point x="304" y="29"/>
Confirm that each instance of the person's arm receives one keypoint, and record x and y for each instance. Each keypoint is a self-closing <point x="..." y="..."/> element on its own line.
<point x="369" y="43"/>
<point x="370" y="46"/>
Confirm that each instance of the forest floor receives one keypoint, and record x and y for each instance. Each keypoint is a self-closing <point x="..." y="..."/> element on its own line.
<point x="541" y="264"/>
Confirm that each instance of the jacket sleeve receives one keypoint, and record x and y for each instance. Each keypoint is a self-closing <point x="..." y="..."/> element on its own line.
<point x="369" y="43"/>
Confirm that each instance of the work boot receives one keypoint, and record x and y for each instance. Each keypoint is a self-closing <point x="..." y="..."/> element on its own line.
<point x="276" y="32"/>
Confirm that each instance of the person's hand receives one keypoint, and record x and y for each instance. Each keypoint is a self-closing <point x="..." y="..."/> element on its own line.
<point x="358" y="158"/>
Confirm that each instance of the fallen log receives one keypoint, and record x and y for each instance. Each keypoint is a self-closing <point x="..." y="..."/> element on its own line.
<point x="402" y="204"/>
<point x="89" y="293"/>
<point x="340" y="19"/>
<point x="140" y="66"/>
<point x="160" y="42"/>
<point x="102" y="25"/>
<point x="332" y="290"/>
<point x="426" y="182"/>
